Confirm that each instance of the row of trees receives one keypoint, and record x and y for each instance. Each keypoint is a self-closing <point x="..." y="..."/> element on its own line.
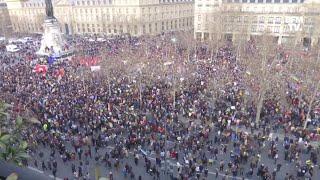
<point x="267" y="70"/>
<point x="267" y="67"/>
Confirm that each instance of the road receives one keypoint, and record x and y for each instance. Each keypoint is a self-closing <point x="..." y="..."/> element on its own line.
<point x="64" y="169"/>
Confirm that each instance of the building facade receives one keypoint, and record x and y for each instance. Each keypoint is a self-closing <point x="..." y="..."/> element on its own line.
<point x="108" y="17"/>
<point x="5" y="23"/>
<point x="283" y="19"/>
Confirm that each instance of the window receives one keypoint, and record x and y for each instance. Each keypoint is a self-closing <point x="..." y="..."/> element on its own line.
<point x="278" y="20"/>
<point x="286" y="29"/>
<point x="260" y="1"/>
<point x="121" y="29"/>
<point x="115" y="29"/>
<point x="253" y="28"/>
<point x="270" y="20"/>
<point x="277" y="29"/>
<point x="255" y="19"/>
<point x="245" y="19"/>
<point x="143" y="29"/>
<point x="88" y="28"/>
<point x="239" y="19"/>
<point x="231" y="18"/>
<point x="269" y="28"/>
<point x="261" y="28"/>
<point x="261" y="19"/>
<point x="287" y="20"/>
<point x="268" y="1"/>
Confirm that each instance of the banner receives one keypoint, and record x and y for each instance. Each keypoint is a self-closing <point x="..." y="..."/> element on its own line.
<point x="95" y="68"/>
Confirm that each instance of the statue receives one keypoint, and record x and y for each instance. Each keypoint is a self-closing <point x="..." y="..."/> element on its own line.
<point x="49" y="9"/>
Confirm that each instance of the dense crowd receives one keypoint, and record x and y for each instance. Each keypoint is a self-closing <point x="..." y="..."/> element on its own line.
<point x="161" y="114"/>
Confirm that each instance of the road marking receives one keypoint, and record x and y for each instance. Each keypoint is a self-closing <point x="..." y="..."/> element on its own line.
<point x="220" y="174"/>
<point x="174" y="164"/>
<point x="149" y="157"/>
<point x="34" y="169"/>
<point x="41" y="172"/>
<point x="51" y="176"/>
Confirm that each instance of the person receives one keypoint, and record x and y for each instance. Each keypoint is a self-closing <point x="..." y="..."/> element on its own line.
<point x="54" y="172"/>
<point x="78" y="108"/>
<point x="35" y="163"/>
<point x="73" y="168"/>
<point x="80" y="172"/>
<point x="43" y="166"/>
<point x="49" y="165"/>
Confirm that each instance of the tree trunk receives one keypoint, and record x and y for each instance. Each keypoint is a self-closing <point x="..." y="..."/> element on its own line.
<point x="260" y="105"/>
<point x="258" y="110"/>
<point x="140" y="95"/>
<point x="109" y="87"/>
<point x="212" y="54"/>
<point x="310" y="105"/>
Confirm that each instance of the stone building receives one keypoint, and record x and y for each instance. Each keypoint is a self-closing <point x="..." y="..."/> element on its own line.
<point x="108" y="17"/>
<point x="5" y="23"/>
<point x="283" y="19"/>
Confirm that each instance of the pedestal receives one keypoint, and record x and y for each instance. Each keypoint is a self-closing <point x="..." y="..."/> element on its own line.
<point x="53" y="43"/>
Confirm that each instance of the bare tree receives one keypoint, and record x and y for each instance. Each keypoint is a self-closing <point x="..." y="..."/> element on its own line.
<point x="261" y="78"/>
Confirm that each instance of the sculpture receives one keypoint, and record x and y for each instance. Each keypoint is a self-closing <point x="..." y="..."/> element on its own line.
<point x="49" y="9"/>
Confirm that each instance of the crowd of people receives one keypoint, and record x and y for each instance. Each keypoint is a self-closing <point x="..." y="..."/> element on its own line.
<point x="150" y="107"/>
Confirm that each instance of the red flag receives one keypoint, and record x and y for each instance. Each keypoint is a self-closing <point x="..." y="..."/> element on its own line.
<point x="59" y="73"/>
<point x="88" y="61"/>
<point x="40" y="69"/>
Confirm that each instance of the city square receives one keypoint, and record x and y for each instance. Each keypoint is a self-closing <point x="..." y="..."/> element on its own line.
<point x="182" y="90"/>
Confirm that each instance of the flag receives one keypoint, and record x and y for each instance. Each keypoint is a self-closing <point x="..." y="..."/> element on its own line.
<point x="40" y="69"/>
<point x="89" y="61"/>
<point x="59" y="73"/>
<point x="51" y="60"/>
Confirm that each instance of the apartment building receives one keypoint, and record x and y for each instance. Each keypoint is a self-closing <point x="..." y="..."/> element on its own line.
<point x="283" y="19"/>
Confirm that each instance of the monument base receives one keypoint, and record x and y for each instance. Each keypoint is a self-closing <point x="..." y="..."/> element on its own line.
<point x="53" y="43"/>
